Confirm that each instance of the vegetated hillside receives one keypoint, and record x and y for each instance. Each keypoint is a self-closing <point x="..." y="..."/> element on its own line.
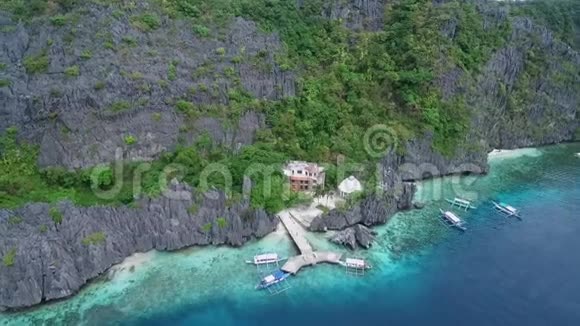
<point x="238" y="82"/>
<point x="201" y="79"/>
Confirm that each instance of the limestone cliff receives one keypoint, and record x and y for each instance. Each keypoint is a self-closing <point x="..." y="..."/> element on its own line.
<point x="53" y="260"/>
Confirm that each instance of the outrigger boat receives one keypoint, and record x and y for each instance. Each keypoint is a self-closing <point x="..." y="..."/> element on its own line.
<point x="461" y="203"/>
<point x="268" y="258"/>
<point x="507" y="209"/>
<point x="274" y="278"/>
<point x="452" y="220"/>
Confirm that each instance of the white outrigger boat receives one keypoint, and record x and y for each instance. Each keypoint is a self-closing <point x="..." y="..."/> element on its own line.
<point x="274" y="278"/>
<point x="507" y="209"/>
<point x="452" y="220"/>
<point x="461" y="203"/>
<point x="355" y="263"/>
<point x="263" y="259"/>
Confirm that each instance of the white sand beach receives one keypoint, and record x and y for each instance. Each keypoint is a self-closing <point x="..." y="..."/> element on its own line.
<point x="130" y="264"/>
<point x="513" y="153"/>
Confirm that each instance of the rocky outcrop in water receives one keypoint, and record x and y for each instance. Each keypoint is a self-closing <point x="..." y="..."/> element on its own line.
<point x="354" y="236"/>
<point x="53" y="261"/>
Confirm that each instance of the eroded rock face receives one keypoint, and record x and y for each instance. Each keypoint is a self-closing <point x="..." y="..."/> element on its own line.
<point x="54" y="261"/>
<point x="397" y="172"/>
<point x="507" y="112"/>
<point x="357" y="14"/>
<point x="129" y="82"/>
<point x="354" y="236"/>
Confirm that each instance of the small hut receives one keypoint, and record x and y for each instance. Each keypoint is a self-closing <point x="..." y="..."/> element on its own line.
<point x="349" y="186"/>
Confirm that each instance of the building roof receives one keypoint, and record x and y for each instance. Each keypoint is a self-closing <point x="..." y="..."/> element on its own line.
<point x="350" y="185"/>
<point x="452" y="217"/>
<point x="303" y="166"/>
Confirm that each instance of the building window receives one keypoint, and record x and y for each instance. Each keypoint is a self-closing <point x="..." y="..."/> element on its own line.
<point x="299" y="171"/>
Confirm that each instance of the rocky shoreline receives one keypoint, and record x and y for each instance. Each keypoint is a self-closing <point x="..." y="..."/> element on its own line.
<point x="55" y="261"/>
<point x="73" y="127"/>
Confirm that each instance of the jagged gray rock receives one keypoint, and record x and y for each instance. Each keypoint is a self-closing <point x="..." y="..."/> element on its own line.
<point x="354" y="235"/>
<point x="72" y="119"/>
<point x="52" y="262"/>
<point x="398" y="170"/>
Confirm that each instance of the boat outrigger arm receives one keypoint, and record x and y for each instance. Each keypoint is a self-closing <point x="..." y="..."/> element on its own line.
<point x="461" y="203"/>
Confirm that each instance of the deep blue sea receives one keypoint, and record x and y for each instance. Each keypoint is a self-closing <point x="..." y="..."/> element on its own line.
<point x="501" y="271"/>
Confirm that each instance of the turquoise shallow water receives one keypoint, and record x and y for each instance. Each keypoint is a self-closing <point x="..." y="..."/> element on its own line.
<point x="500" y="272"/>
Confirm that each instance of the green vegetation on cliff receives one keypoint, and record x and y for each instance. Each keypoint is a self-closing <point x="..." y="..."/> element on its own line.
<point x="349" y="81"/>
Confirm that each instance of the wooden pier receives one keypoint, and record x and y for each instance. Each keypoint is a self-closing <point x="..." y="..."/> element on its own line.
<point x="308" y="256"/>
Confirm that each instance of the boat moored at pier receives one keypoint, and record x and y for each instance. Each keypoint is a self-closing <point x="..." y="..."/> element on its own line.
<point x="271" y="279"/>
<point x="267" y="258"/>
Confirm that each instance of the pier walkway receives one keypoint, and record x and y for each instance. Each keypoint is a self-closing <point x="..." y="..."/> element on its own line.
<point x="307" y="255"/>
<point x="296" y="232"/>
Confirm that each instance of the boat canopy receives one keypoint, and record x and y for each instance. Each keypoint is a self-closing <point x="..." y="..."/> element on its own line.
<point x="269" y="279"/>
<point x="511" y="209"/>
<point x="452" y="217"/>
<point x="352" y="262"/>
<point x="266" y="257"/>
<point x="462" y="201"/>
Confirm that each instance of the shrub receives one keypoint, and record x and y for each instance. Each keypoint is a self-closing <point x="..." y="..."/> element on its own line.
<point x="100" y="85"/>
<point x="156" y="116"/>
<point x="14" y="220"/>
<point x="43" y="228"/>
<point x="94" y="239"/>
<point x="185" y="107"/>
<point x="206" y="227"/>
<point x="172" y="71"/>
<point x="163" y="83"/>
<point x="109" y="45"/>
<point x="9" y="257"/>
<point x="135" y="75"/>
<point x="221" y="222"/>
<point x="59" y="177"/>
<point x="86" y="54"/>
<point x="58" y="21"/>
<point x="54" y="92"/>
<point x="229" y="71"/>
<point x="120" y="106"/>
<point x="130" y="41"/>
<point x="2" y="66"/>
<point x="220" y="51"/>
<point x="55" y="215"/>
<point x="4" y="83"/>
<point x="72" y="71"/>
<point x="101" y="177"/>
<point x="130" y="140"/>
<point x="201" y="30"/>
<point x="146" y="22"/>
<point x="193" y="209"/>
<point x="37" y="63"/>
